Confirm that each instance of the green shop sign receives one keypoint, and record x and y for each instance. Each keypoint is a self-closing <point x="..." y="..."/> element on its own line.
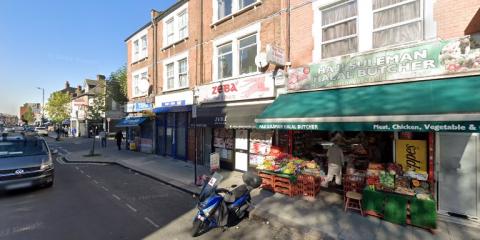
<point x="420" y="61"/>
<point x="472" y="126"/>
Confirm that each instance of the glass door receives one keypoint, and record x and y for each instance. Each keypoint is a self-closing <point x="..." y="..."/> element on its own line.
<point x="170" y="135"/>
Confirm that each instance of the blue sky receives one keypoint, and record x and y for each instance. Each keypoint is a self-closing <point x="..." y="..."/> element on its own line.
<point x="45" y="43"/>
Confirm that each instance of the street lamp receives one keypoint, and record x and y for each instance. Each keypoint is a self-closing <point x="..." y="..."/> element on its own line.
<point x="43" y="104"/>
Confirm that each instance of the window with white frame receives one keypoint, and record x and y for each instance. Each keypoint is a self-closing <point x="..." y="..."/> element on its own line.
<point x="170" y="76"/>
<point x="137" y="77"/>
<point x="136" y="47"/>
<point x="227" y="7"/>
<point x="182" y="73"/>
<point x="144" y="46"/>
<point x="225" y="61"/>
<point x="175" y="27"/>
<point x="247" y="53"/>
<point x="396" y="21"/>
<point x="234" y="54"/>
<point x="383" y="23"/>
<point x="175" y="72"/>
<point x="182" y="24"/>
<point x="339" y="29"/>
<point x="170" y="32"/>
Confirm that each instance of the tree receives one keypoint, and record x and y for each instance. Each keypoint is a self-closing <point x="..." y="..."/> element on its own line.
<point x="28" y="116"/>
<point x="58" y="106"/>
<point x="117" y="86"/>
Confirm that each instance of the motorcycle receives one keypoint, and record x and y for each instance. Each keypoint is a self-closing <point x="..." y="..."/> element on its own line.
<point x="216" y="206"/>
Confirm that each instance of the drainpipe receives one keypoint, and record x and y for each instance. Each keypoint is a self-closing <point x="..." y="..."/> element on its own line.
<point x="288" y="30"/>
<point x="201" y="41"/>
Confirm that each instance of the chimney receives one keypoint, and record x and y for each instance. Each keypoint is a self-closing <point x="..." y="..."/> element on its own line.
<point x="67" y="85"/>
<point x="154" y="14"/>
<point x="100" y="77"/>
<point x="79" y="90"/>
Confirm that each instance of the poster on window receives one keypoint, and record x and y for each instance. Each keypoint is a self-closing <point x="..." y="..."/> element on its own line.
<point x="241" y="140"/>
<point x="411" y="154"/>
<point x="219" y="142"/>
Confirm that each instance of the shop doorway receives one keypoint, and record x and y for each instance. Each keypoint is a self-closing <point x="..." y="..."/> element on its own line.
<point x="172" y="135"/>
<point x="458" y="161"/>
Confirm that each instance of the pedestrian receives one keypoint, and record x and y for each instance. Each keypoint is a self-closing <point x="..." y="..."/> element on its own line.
<point x="118" y="137"/>
<point x="335" y="161"/>
<point x="103" y="137"/>
<point x="74" y="132"/>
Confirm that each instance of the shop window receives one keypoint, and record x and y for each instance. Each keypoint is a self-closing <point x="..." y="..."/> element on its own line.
<point x="225" y="61"/>
<point x="339" y="29"/>
<point x="175" y="26"/>
<point x="396" y="21"/>
<point x="144" y="46"/>
<point x="247" y="53"/>
<point x="136" y="47"/>
<point x="137" y="76"/>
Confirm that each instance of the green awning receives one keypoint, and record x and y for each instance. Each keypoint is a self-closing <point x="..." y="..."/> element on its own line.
<point x="436" y="105"/>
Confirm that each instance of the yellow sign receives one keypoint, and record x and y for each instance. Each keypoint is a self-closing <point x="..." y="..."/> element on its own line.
<point x="411" y="154"/>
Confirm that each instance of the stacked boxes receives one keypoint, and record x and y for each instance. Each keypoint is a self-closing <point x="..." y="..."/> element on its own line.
<point x="306" y="185"/>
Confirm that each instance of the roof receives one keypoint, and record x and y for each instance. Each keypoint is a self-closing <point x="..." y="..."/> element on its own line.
<point x="162" y="14"/>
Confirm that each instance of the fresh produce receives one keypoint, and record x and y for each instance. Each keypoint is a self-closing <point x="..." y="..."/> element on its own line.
<point x="387" y="180"/>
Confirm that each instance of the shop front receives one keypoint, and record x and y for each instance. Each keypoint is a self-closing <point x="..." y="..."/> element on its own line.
<point x="139" y="126"/>
<point x="225" y="121"/>
<point x="392" y="124"/>
<point x="173" y="115"/>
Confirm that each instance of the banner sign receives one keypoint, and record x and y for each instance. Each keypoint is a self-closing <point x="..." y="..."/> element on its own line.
<point x="411" y="154"/>
<point x="275" y="55"/>
<point x="137" y="107"/>
<point x="174" y="99"/>
<point x="473" y="126"/>
<point x="259" y="86"/>
<point x="425" y="60"/>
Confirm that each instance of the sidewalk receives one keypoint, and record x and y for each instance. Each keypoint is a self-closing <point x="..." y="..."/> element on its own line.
<point x="323" y="217"/>
<point x="174" y="172"/>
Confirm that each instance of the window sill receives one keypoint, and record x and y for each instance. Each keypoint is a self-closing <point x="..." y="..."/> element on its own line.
<point x="239" y="76"/>
<point x="139" y="60"/>
<point x="233" y="15"/>
<point x="175" y="43"/>
<point x="174" y="89"/>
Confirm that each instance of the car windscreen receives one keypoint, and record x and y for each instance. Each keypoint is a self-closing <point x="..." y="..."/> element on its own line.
<point x="23" y="147"/>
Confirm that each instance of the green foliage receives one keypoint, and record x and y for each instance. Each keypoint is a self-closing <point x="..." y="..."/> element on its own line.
<point x="28" y="116"/>
<point x="58" y="106"/>
<point x="117" y="86"/>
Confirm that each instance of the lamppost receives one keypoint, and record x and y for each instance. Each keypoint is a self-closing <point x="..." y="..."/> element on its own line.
<point x="194" y="116"/>
<point x="43" y="104"/>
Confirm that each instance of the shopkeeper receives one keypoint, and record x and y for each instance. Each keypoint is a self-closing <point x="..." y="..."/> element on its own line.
<point x="335" y="161"/>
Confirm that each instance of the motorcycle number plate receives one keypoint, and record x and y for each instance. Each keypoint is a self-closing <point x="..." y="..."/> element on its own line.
<point x="212" y="182"/>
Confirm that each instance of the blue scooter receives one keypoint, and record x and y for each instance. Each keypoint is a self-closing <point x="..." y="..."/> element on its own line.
<point x="217" y="205"/>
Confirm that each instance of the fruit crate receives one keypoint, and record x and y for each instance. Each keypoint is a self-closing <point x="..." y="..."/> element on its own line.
<point x="285" y="186"/>
<point x="268" y="181"/>
<point x="310" y="185"/>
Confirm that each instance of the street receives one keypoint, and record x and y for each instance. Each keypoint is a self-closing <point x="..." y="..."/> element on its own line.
<point x="106" y="201"/>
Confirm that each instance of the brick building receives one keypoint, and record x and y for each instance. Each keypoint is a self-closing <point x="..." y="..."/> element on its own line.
<point x="238" y="76"/>
<point x="36" y="109"/>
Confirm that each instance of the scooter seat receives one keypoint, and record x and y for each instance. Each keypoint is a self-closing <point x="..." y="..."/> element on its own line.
<point x="236" y="193"/>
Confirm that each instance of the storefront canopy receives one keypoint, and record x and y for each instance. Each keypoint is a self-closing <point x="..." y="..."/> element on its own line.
<point x="229" y="116"/>
<point x="436" y="105"/>
<point x="173" y="109"/>
<point x="131" y="122"/>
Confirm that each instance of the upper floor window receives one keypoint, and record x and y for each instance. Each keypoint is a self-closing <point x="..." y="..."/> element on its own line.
<point x="225" y="63"/>
<point x="227" y="7"/>
<point x="396" y="21"/>
<point x="182" y="24"/>
<point x="175" y="28"/>
<point x="176" y="72"/>
<point x="144" y="43"/>
<point x="137" y="78"/>
<point x="136" y="47"/>
<point x="339" y="29"/>
<point x="383" y="23"/>
<point x="235" y="54"/>
<point x="170" y="32"/>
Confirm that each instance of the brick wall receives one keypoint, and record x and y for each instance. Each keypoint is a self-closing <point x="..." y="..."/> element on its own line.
<point x="301" y="39"/>
<point x="453" y="16"/>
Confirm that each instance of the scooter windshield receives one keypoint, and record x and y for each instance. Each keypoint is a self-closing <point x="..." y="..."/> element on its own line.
<point x="210" y="186"/>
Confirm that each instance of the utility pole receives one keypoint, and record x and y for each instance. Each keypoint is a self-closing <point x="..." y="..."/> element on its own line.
<point x="43" y="104"/>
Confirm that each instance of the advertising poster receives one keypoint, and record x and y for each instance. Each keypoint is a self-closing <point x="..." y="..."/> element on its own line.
<point x="411" y="154"/>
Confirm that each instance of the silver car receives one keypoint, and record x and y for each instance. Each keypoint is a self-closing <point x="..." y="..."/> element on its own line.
<point x="25" y="161"/>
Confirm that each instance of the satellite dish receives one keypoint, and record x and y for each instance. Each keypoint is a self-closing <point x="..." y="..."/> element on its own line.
<point x="143" y="85"/>
<point x="261" y="60"/>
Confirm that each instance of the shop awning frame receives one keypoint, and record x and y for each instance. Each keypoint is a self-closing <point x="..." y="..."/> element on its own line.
<point x="443" y="103"/>
<point x="131" y="122"/>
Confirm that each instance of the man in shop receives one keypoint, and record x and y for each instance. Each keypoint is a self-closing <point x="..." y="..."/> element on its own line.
<point x="335" y="161"/>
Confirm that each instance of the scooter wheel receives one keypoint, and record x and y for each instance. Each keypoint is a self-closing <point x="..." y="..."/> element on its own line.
<point x="197" y="227"/>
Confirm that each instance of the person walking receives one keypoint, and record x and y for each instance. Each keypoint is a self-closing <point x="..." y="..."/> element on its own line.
<point x="118" y="137"/>
<point x="103" y="137"/>
<point x="335" y="161"/>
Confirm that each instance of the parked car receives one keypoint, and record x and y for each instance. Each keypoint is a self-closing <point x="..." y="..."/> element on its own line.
<point x="42" y="131"/>
<point x="25" y="161"/>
